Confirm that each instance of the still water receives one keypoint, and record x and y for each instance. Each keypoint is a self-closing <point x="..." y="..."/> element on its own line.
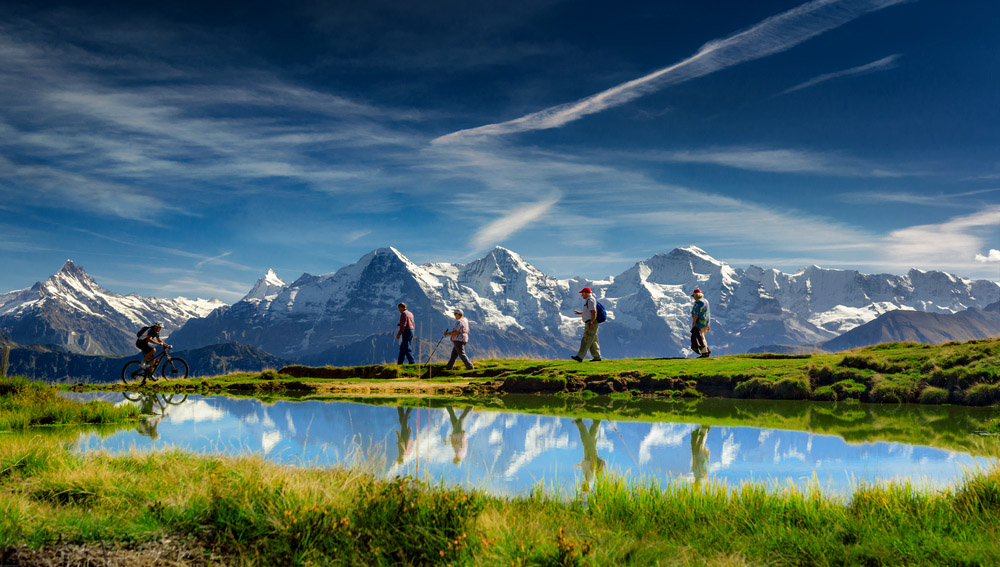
<point x="509" y="451"/>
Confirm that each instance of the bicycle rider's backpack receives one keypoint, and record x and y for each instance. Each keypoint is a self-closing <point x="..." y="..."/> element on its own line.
<point x="602" y="315"/>
<point x="142" y="330"/>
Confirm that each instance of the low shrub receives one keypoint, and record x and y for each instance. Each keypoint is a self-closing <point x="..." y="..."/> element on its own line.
<point x="983" y="394"/>
<point x="824" y="394"/>
<point x="792" y="389"/>
<point x="892" y="392"/>
<point x="757" y="387"/>
<point x="849" y="389"/>
<point x="932" y="395"/>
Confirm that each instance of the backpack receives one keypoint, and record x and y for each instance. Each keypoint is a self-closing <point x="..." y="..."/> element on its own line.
<point x="142" y="330"/>
<point x="602" y="315"/>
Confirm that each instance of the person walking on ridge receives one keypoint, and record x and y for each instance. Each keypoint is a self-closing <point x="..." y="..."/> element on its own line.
<point x="405" y="333"/>
<point x="589" y="340"/>
<point x="700" y="324"/>
<point x="459" y="337"/>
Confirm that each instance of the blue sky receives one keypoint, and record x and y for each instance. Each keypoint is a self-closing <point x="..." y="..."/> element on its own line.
<point x="184" y="148"/>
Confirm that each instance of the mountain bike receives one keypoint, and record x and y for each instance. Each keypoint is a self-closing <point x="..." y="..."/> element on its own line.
<point x="169" y="366"/>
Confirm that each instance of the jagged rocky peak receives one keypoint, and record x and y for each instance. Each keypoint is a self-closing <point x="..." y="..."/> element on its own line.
<point x="493" y="273"/>
<point x="267" y="286"/>
<point x="71" y="270"/>
<point x="384" y="259"/>
<point x="72" y="276"/>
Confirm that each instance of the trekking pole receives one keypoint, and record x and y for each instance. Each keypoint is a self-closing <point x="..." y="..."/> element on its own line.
<point x="435" y="347"/>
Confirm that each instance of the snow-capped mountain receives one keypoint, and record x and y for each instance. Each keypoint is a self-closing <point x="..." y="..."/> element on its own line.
<point x="71" y="310"/>
<point x="516" y="310"/>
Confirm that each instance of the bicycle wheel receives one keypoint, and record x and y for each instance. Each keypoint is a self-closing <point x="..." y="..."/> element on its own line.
<point x="132" y="373"/>
<point x="174" y="369"/>
<point x="174" y="399"/>
<point x="133" y="396"/>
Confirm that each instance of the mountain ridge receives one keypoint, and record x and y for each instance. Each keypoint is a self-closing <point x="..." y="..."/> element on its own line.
<point x="504" y="297"/>
<point x="71" y="309"/>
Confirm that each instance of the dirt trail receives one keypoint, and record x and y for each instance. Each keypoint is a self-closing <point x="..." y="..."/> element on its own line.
<point x="393" y="388"/>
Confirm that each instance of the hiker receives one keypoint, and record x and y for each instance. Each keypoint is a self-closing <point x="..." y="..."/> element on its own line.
<point x="459" y="336"/>
<point x="405" y="333"/>
<point x="459" y="441"/>
<point x="404" y="445"/>
<point x="589" y="340"/>
<point x="699" y="453"/>
<point x="591" y="464"/>
<point x="699" y="324"/>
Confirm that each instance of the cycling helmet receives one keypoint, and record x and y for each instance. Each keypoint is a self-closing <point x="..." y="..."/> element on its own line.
<point x="158" y="324"/>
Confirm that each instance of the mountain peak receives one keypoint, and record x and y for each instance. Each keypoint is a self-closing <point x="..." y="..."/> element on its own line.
<point x="695" y="252"/>
<point x="268" y="285"/>
<point x="71" y="268"/>
<point x="504" y="256"/>
<point x="74" y="276"/>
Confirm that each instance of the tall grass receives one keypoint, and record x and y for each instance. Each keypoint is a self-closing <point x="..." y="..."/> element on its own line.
<point x="25" y="403"/>
<point x="256" y="513"/>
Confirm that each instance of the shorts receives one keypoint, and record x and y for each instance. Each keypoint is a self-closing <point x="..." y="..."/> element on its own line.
<point x="144" y="346"/>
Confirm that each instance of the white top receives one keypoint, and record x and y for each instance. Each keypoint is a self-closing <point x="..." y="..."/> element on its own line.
<point x="462" y="327"/>
<point x="589" y="304"/>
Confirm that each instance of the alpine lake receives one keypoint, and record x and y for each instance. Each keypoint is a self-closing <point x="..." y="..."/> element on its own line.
<point x="512" y="445"/>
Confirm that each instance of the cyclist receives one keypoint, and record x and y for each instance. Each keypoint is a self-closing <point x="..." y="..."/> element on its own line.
<point x="149" y="335"/>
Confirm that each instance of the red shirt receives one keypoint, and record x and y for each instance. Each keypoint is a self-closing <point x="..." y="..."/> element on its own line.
<point x="406" y="321"/>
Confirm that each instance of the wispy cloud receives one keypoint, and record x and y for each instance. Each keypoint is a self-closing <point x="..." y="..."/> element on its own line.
<point x="777" y="161"/>
<point x="883" y="64"/>
<point x="773" y="35"/>
<point x="496" y="231"/>
<point x="202" y="259"/>
<point x="81" y="126"/>
<point x="905" y="197"/>
<point x="954" y="242"/>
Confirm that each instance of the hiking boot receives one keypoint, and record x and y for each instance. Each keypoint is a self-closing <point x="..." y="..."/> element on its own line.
<point x="705" y="354"/>
<point x="576" y="358"/>
<point x="596" y="359"/>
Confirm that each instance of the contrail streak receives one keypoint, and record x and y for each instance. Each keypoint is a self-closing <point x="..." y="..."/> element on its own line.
<point x="773" y="35"/>
<point x="880" y="65"/>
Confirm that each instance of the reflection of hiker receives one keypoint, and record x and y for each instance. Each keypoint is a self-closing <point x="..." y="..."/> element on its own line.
<point x="147" y="407"/>
<point x="147" y="427"/>
<point x="589" y="340"/>
<point x="700" y="324"/>
<point x="459" y="442"/>
<point x="459" y="336"/>
<point x="699" y="453"/>
<point x="405" y="333"/>
<point x="404" y="445"/>
<point x="591" y="463"/>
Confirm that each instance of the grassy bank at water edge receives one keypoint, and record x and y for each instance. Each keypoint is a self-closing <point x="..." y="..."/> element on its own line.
<point x="247" y="511"/>
<point x="952" y="373"/>
<point x="24" y="404"/>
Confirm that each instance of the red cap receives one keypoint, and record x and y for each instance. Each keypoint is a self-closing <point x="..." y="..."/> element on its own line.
<point x="586" y="289"/>
<point x="696" y="290"/>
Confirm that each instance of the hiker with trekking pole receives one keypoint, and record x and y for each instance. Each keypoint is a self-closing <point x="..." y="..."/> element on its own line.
<point x="459" y="337"/>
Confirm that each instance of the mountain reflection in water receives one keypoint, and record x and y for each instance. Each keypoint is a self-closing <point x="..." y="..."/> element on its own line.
<point x="507" y="452"/>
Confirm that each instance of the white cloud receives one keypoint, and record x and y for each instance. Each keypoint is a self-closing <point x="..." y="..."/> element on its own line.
<point x="883" y="64"/>
<point x="496" y="231"/>
<point x="951" y="243"/>
<point x="993" y="256"/>
<point x="778" y="161"/>
<point x="773" y="35"/>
